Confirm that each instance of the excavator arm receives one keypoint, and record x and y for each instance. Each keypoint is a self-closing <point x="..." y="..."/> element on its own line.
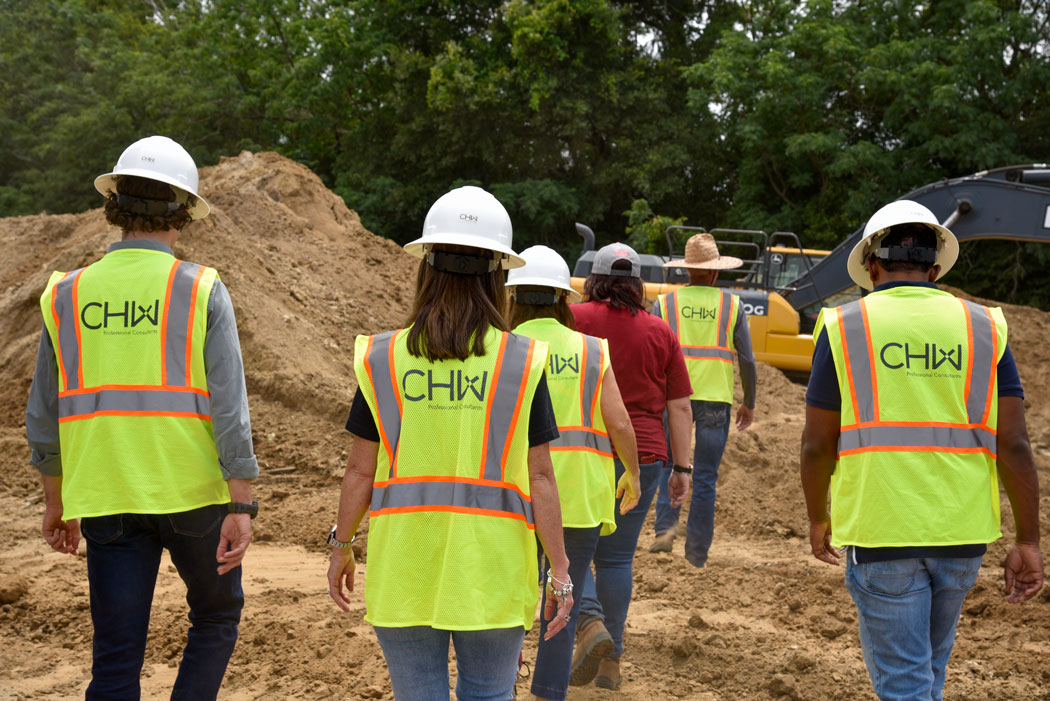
<point x="1006" y="203"/>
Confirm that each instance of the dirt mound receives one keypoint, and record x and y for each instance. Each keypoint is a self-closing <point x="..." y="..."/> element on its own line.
<point x="764" y="620"/>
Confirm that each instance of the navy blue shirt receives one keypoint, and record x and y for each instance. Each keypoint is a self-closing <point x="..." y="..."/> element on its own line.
<point x="823" y="393"/>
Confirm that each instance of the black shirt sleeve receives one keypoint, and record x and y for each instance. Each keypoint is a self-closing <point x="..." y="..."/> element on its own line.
<point x="360" y="423"/>
<point x="543" y="428"/>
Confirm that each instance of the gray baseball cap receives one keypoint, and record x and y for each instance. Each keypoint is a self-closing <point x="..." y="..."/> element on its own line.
<point x="607" y="255"/>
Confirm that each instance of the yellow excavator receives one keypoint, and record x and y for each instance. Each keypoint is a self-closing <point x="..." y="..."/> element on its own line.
<point x="783" y="285"/>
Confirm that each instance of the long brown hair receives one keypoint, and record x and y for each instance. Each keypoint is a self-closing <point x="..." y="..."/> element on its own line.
<point x="452" y="313"/>
<point x="520" y="313"/>
<point x="619" y="291"/>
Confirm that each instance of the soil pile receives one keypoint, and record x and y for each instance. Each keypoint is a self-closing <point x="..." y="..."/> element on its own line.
<point x="763" y="620"/>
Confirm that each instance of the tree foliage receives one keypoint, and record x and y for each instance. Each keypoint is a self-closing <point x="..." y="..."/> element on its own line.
<point x="768" y="114"/>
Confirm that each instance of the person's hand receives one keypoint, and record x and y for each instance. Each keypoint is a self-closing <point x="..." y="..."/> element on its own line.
<point x="562" y="603"/>
<point x="820" y="542"/>
<point x="1023" y="572"/>
<point x="630" y="488"/>
<point x="234" y="537"/>
<point x="62" y="536"/>
<point x="744" y="417"/>
<point x="340" y="572"/>
<point x="678" y="488"/>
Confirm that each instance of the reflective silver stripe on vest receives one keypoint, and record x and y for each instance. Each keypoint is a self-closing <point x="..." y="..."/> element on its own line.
<point x="569" y="438"/>
<point x="671" y="310"/>
<point x="502" y="403"/>
<point x="177" y="316"/>
<point x="386" y="400"/>
<point x="67" y="322"/>
<point x="693" y="352"/>
<point x="859" y="361"/>
<point x="915" y="437"/>
<point x="453" y="495"/>
<point x="984" y="360"/>
<point x="723" y="328"/>
<point x="133" y="400"/>
<point x="592" y="374"/>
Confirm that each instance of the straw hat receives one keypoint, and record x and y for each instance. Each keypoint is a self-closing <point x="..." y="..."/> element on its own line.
<point x="701" y="252"/>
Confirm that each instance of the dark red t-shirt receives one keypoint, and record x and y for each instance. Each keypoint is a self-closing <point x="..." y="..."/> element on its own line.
<point x="647" y="361"/>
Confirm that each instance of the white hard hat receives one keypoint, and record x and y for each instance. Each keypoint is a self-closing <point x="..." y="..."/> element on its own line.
<point x="900" y="212"/>
<point x="543" y="268"/>
<point x="158" y="158"/>
<point x="468" y="216"/>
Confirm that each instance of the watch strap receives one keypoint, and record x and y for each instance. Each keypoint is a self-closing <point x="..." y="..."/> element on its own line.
<point x="239" y="507"/>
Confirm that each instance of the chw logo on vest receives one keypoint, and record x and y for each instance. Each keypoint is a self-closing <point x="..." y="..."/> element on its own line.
<point x="699" y="313"/>
<point x="125" y="315"/>
<point x="925" y="363"/>
<point x="558" y="364"/>
<point x="461" y="391"/>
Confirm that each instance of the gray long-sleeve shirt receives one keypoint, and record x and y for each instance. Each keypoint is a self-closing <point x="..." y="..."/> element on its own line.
<point x="231" y="424"/>
<point x="745" y="355"/>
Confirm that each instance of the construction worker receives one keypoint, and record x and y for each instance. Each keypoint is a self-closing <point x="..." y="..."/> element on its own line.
<point x="913" y="406"/>
<point x="652" y="379"/>
<point x="451" y="422"/>
<point x="590" y="412"/>
<point x="138" y="423"/>
<point x="711" y="326"/>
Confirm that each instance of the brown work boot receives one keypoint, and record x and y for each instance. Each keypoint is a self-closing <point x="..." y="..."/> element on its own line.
<point x="608" y="674"/>
<point x="593" y="643"/>
<point x="663" y="542"/>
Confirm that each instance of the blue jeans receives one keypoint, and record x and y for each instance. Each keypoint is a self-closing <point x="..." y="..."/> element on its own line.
<point x="711" y="422"/>
<point x="907" y="611"/>
<point x="550" y="679"/>
<point x="607" y="594"/>
<point x="417" y="659"/>
<point x="123" y="556"/>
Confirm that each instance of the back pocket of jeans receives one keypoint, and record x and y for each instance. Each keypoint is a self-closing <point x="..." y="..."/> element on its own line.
<point x="102" y="529"/>
<point x="198" y="522"/>
<point x="891" y="577"/>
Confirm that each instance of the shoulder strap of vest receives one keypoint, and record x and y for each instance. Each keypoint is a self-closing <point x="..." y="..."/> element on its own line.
<point x="64" y="316"/>
<point x="379" y="366"/>
<point x="177" y="319"/>
<point x="510" y="379"/>
<point x="671" y="312"/>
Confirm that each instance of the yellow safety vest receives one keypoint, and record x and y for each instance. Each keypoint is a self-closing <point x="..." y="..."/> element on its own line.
<point x="133" y="403"/>
<point x="917" y="445"/>
<point x="704" y="320"/>
<point x="451" y="542"/>
<point x="582" y="453"/>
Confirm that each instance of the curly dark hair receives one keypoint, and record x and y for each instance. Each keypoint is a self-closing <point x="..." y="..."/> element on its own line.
<point x="142" y="204"/>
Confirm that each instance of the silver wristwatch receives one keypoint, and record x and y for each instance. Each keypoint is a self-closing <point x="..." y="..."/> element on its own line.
<point x="335" y="543"/>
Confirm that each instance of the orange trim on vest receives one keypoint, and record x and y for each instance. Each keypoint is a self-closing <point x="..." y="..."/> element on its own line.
<point x="58" y="325"/>
<point x="164" y="324"/>
<point x="845" y="356"/>
<point x="457" y="480"/>
<point x="871" y="360"/>
<point x="914" y="448"/>
<point x="491" y="400"/>
<point x="942" y="424"/>
<point x="598" y="386"/>
<point x="583" y="385"/>
<point x="178" y="414"/>
<point x="139" y="388"/>
<point x="371" y="378"/>
<point x="453" y="510"/>
<point x="517" y="409"/>
<point x="994" y="369"/>
<point x="76" y="325"/>
<point x="189" y="323"/>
